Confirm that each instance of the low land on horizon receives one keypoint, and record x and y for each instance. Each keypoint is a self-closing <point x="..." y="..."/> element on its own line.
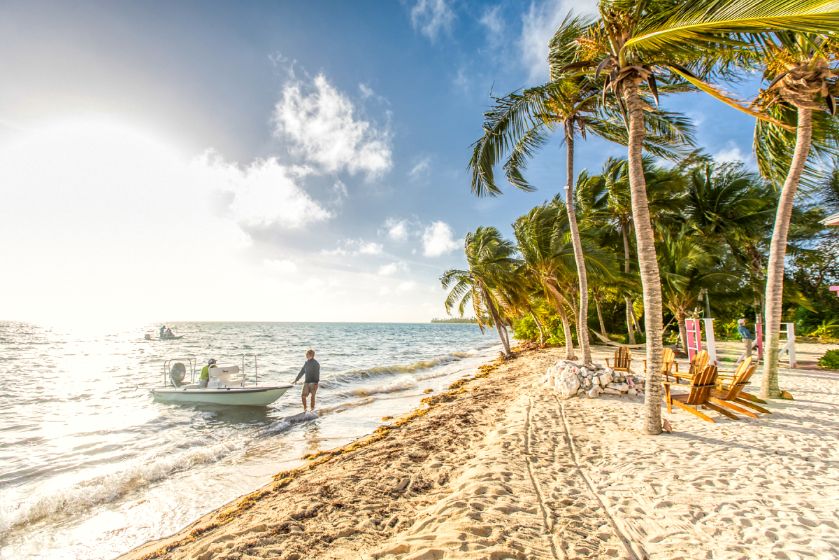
<point x="499" y="467"/>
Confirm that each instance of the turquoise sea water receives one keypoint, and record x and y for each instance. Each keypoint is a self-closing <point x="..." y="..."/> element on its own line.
<point x="91" y="466"/>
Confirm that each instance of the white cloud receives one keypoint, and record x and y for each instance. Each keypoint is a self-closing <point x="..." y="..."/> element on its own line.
<point x="340" y="190"/>
<point x="353" y="247"/>
<point x="264" y="192"/>
<point x="732" y="153"/>
<point x="397" y="230"/>
<point x="430" y="17"/>
<point x="420" y="169"/>
<point x="492" y="21"/>
<point x="461" y="81"/>
<point x="280" y="266"/>
<point x="438" y="239"/>
<point x="392" y="268"/>
<point x="539" y="24"/>
<point x="323" y="128"/>
<point x="366" y="91"/>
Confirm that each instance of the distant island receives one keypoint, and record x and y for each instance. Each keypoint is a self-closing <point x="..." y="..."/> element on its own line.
<point x="455" y="320"/>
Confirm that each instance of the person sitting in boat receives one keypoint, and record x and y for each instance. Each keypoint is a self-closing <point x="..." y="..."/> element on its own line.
<point x="310" y="384"/>
<point x="204" y="378"/>
<point x="169" y="333"/>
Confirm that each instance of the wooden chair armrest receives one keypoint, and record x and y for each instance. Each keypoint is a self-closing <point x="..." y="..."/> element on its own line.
<point x="607" y="363"/>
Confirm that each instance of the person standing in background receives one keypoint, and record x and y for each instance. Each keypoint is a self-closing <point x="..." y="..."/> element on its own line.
<point x="747" y="337"/>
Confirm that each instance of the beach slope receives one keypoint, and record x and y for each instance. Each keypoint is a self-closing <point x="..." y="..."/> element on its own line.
<point x="498" y="467"/>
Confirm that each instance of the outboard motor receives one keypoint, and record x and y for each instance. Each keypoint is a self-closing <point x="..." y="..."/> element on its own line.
<point x="177" y="374"/>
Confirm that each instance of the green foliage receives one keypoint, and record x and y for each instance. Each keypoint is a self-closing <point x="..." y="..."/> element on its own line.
<point x="524" y="328"/>
<point x="830" y="360"/>
<point x="827" y="331"/>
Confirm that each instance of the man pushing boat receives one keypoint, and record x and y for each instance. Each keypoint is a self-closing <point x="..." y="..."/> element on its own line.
<point x="310" y="383"/>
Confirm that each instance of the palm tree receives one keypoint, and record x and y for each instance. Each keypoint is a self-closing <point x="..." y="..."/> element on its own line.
<point x="490" y="259"/>
<point x="604" y="200"/>
<point x="687" y="269"/>
<point x="521" y="121"/>
<point x="803" y="89"/>
<point x="548" y="257"/>
<point x="730" y="205"/>
<point x="646" y="42"/>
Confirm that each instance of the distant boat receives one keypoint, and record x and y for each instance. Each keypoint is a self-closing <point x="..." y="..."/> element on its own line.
<point x="227" y="386"/>
<point x="149" y="336"/>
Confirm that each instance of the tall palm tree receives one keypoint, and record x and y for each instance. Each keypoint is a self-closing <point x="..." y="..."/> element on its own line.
<point x="604" y="200"/>
<point x="542" y="240"/>
<point x="521" y="121"/>
<point x="645" y="42"/>
<point x="803" y="69"/>
<point x="490" y="259"/>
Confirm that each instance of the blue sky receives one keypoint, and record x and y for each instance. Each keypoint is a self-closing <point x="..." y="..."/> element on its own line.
<point x="263" y="161"/>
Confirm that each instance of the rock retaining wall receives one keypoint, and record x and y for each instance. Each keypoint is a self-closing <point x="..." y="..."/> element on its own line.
<point x="573" y="379"/>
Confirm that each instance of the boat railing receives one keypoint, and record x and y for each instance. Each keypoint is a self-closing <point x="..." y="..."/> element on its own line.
<point x="168" y="371"/>
<point x="255" y="369"/>
<point x="190" y="366"/>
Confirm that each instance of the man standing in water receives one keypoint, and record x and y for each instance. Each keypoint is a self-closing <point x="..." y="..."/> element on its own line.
<point x="310" y="383"/>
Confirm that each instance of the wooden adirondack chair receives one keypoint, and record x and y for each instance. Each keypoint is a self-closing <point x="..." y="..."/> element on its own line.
<point x="729" y="390"/>
<point x="668" y="359"/>
<point x="700" y="360"/>
<point x="701" y="386"/>
<point x="623" y="358"/>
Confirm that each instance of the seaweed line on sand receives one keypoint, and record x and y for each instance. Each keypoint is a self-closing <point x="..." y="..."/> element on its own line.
<point x="227" y="513"/>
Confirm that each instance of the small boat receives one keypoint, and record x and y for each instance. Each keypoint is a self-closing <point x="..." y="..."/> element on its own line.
<point x="228" y="385"/>
<point x="148" y="336"/>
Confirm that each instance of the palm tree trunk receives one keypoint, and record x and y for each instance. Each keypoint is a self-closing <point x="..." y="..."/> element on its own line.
<point x="566" y="330"/>
<point x="683" y="331"/>
<point x="630" y="318"/>
<point x="496" y="319"/>
<point x="600" y="316"/>
<point x="563" y="316"/>
<point x="647" y="260"/>
<point x="576" y="242"/>
<point x="777" y="250"/>
<point x="539" y="326"/>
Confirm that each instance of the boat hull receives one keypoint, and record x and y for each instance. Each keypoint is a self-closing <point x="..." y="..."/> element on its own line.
<point x="233" y="396"/>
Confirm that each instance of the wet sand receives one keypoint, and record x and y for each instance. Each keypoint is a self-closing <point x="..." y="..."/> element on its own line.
<point x="498" y="467"/>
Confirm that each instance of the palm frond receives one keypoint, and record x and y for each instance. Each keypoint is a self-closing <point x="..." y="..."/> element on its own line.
<point x="701" y="23"/>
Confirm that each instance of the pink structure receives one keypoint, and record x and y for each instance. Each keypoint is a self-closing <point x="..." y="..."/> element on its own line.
<point x="835" y="289"/>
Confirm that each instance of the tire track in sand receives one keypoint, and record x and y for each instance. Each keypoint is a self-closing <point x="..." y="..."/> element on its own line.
<point x="546" y="518"/>
<point x="575" y="457"/>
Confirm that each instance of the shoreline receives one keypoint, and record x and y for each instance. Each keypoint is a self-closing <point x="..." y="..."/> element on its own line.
<point x="497" y="466"/>
<point x="225" y="513"/>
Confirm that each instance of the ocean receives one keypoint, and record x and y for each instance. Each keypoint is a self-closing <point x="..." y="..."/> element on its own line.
<point x="91" y="466"/>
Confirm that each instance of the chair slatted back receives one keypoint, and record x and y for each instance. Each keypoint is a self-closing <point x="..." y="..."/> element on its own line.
<point x="741" y="378"/>
<point x="700" y="360"/>
<point x="623" y="357"/>
<point x="701" y="385"/>
<point x="668" y="358"/>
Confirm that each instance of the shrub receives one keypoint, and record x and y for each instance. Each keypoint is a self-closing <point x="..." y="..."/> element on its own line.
<point x="827" y="331"/>
<point x="830" y="360"/>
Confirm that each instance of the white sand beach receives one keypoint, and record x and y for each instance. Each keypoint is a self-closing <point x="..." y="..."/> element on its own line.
<point x="499" y="467"/>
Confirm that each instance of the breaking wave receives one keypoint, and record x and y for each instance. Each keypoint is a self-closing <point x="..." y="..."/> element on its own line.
<point x="82" y="496"/>
<point x="354" y="375"/>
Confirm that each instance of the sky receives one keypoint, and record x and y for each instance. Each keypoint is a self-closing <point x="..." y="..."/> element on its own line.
<point x="264" y="161"/>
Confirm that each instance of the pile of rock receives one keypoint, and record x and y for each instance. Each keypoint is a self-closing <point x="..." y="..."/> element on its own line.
<point x="574" y="379"/>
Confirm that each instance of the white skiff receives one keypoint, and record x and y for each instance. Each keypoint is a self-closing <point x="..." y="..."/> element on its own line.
<point x="227" y="386"/>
